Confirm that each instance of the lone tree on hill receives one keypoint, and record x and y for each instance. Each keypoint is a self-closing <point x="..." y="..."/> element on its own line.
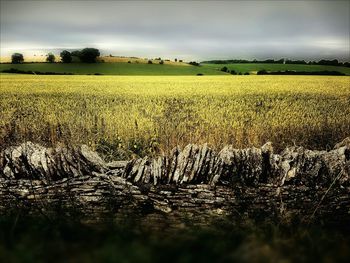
<point x="17" y="58"/>
<point x="50" y="58"/>
<point x="89" y="55"/>
<point x="66" y="56"/>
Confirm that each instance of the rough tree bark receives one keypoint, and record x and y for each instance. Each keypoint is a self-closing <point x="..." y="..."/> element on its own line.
<point x="195" y="183"/>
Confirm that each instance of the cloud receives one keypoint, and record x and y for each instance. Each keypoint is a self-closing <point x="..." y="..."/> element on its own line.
<point x="300" y="29"/>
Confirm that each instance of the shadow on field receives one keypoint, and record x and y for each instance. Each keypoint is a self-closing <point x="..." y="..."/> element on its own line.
<point x="29" y="239"/>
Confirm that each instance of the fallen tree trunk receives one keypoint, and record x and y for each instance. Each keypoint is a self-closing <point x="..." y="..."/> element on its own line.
<point x="195" y="183"/>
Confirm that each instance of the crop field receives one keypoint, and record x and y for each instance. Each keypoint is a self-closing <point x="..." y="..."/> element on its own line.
<point x="254" y="67"/>
<point x="125" y="116"/>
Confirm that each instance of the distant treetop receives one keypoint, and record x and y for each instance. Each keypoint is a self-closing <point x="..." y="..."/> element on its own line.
<point x="66" y="56"/>
<point x="17" y="58"/>
<point x="86" y="55"/>
<point x="50" y="58"/>
<point x="326" y="62"/>
<point x="89" y="55"/>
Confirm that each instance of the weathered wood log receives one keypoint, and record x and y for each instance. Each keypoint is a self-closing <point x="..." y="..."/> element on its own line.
<point x="196" y="182"/>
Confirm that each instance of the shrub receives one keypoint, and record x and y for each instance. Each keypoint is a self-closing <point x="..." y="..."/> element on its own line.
<point x="149" y="62"/>
<point x="194" y="63"/>
<point x="66" y="56"/>
<point x="17" y="58"/>
<point x="224" y="69"/>
<point x="262" y="72"/>
<point x="246" y="73"/>
<point x="161" y="62"/>
<point x="233" y="72"/>
<point x="13" y="70"/>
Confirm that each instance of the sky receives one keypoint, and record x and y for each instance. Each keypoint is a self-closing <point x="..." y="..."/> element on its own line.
<point x="191" y="30"/>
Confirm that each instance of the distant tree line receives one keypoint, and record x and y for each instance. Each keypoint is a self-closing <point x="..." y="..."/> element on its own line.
<point x="235" y="61"/>
<point x="86" y="55"/>
<point x="333" y="62"/>
<point x="326" y="62"/>
<point x="293" y="72"/>
<point x="194" y="63"/>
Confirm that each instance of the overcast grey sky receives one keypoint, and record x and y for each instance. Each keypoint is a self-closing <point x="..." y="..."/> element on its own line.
<point x="190" y="30"/>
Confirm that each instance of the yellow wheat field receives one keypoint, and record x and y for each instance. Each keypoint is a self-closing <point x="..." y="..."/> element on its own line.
<point x="125" y="115"/>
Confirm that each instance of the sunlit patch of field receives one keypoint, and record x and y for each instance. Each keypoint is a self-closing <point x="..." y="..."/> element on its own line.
<point x="114" y="59"/>
<point x="117" y="59"/>
<point x="29" y="59"/>
<point x="137" y="115"/>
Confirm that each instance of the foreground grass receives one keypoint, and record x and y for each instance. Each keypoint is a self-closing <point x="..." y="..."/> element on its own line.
<point x="125" y="116"/>
<point x="254" y="67"/>
<point x="116" y="68"/>
<point x="24" y="239"/>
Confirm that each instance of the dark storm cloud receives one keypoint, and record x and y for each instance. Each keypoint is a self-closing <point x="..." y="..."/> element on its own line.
<point x="199" y="29"/>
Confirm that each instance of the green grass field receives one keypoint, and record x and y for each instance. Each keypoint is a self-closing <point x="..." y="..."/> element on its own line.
<point x="251" y="67"/>
<point x="122" y="68"/>
<point x="115" y="68"/>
